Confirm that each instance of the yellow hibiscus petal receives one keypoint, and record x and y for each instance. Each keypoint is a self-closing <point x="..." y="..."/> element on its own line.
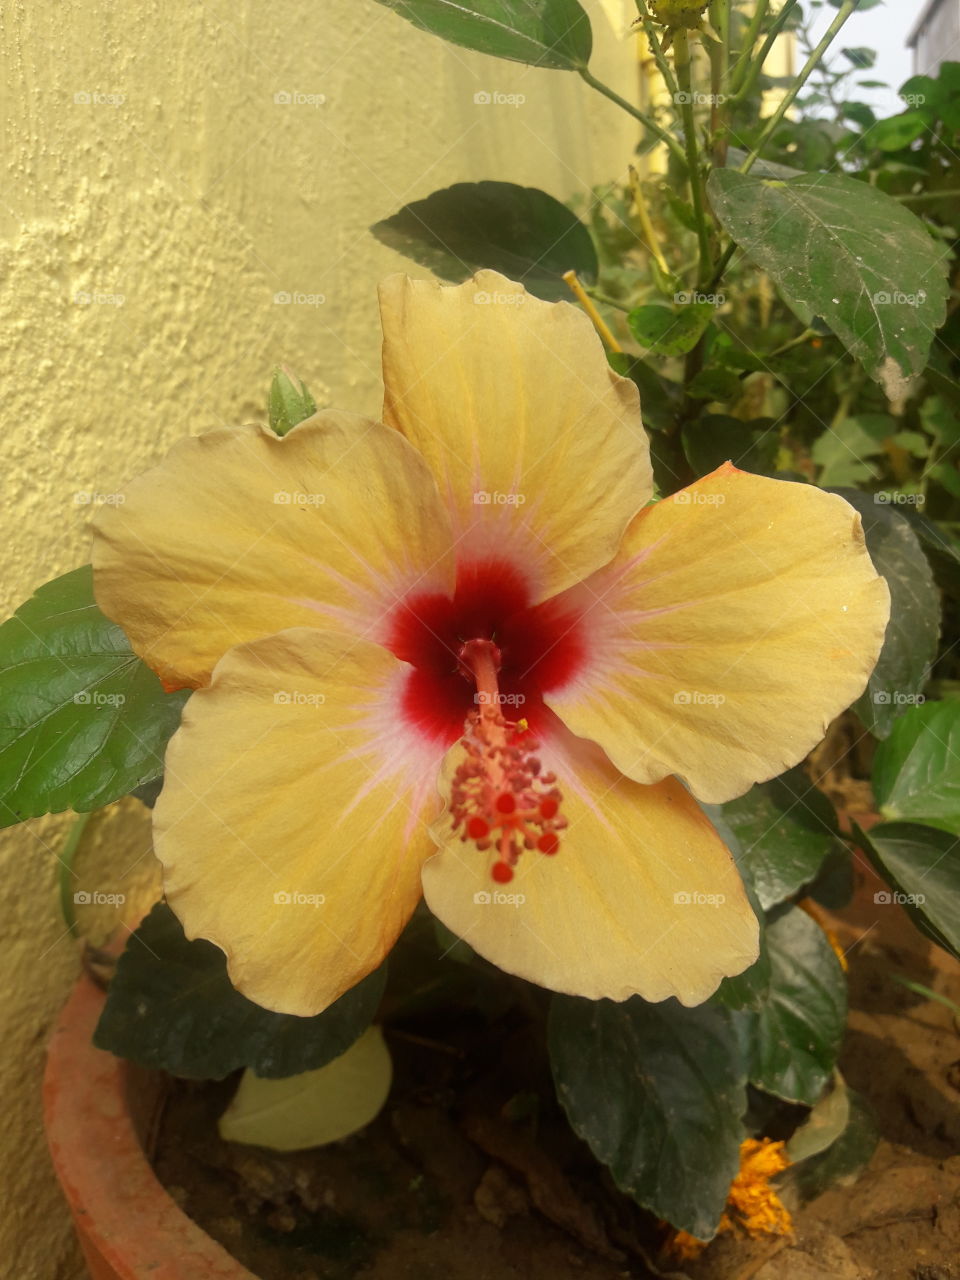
<point x="738" y="618"/>
<point x="642" y="898"/>
<point x="294" y="816"/>
<point x="239" y="534"/>
<point x="536" y="444"/>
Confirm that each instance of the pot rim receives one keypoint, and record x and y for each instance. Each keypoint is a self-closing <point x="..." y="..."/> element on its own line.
<point x="124" y="1216"/>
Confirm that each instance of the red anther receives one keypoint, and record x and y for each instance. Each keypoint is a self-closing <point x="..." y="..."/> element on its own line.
<point x="548" y="843"/>
<point x="506" y="803"/>
<point x="478" y="828"/>
<point x="502" y="872"/>
<point x="548" y="807"/>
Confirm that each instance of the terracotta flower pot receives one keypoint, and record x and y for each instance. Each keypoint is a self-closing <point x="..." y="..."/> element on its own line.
<point x="99" y="1113"/>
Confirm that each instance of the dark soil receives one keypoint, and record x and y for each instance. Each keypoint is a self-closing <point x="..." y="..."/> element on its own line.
<point x="471" y="1172"/>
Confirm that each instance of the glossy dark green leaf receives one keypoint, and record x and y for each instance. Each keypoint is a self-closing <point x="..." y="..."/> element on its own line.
<point x="844" y="251"/>
<point x="543" y="33"/>
<point x="664" y="331"/>
<point x="170" y="1005"/>
<point x="793" y="1041"/>
<point x="923" y="865"/>
<point x="786" y="828"/>
<point x="657" y="1091"/>
<point x="916" y="771"/>
<point x="84" y="720"/>
<point x="521" y="232"/>
<point x="910" y="642"/>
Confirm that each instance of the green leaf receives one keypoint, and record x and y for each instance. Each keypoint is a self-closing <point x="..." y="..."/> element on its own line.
<point x="794" y="1040"/>
<point x="786" y="828"/>
<point x="848" y="253"/>
<point x="899" y="131"/>
<point x="916" y="771"/>
<point x="910" y="643"/>
<point x="170" y="1005"/>
<point x="666" y="332"/>
<point x="842" y="451"/>
<point x="84" y="720"/>
<point x="824" y="1124"/>
<point x="748" y="990"/>
<point x="861" y="57"/>
<point x="942" y="548"/>
<point x="923" y="865"/>
<point x="714" y="384"/>
<point x="716" y="438"/>
<point x="315" y="1108"/>
<point x="521" y="232"/>
<point x="288" y="402"/>
<point x="843" y="1159"/>
<point x="657" y="1092"/>
<point x="543" y="33"/>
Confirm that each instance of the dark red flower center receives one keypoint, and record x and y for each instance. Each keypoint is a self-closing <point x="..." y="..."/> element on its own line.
<point x="481" y="663"/>
<point x="540" y="647"/>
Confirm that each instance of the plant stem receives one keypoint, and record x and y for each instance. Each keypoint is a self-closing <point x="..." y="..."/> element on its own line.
<point x="806" y="336"/>
<point x="656" y="48"/>
<point x="807" y="70"/>
<point x="71" y="844"/>
<point x="681" y="54"/>
<point x="720" y="20"/>
<point x="721" y="266"/>
<point x="742" y="64"/>
<point x="951" y="193"/>
<point x="581" y="295"/>
<point x="647" y="121"/>
<point x="646" y="226"/>
<point x="754" y="66"/>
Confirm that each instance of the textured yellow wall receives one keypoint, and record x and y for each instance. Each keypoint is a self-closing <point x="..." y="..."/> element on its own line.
<point x="146" y="166"/>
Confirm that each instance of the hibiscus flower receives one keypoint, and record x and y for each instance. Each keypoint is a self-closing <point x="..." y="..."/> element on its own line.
<point x="461" y="653"/>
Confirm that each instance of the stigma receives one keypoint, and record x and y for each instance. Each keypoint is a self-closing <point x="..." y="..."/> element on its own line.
<point x="502" y="800"/>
